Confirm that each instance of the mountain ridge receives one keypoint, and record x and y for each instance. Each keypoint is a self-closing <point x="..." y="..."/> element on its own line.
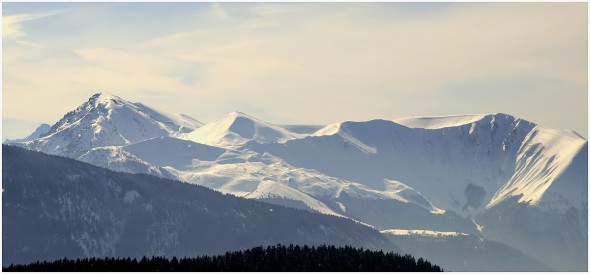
<point x="56" y="206"/>
<point x="236" y="128"/>
<point x="446" y="173"/>
<point x="105" y="120"/>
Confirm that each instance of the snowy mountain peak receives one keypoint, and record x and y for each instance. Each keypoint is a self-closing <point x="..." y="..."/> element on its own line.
<point x="238" y="114"/>
<point x="236" y="128"/>
<point x="104" y="96"/>
<point x="107" y="120"/>
<point x="236" y="117"/>
<point x="107" y="100"/>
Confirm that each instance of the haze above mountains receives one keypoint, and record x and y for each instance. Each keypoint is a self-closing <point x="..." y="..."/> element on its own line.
<point x="492" y="177"/>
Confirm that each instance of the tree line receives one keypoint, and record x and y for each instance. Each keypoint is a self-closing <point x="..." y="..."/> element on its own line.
<point x="272" y="258"/>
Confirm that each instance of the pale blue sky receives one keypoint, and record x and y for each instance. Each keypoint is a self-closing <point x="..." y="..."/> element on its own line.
<point x="298" y="63"/>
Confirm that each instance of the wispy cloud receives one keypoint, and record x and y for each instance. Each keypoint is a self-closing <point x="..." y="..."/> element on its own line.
<point x="350" y="61"/>
<point x="12" y="24"/>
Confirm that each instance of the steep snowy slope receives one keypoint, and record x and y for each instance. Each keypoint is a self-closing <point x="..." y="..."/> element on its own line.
<point x="542" y="158"/>
<point x="54" y="207"/>
<point x="268" y="178"/>
<point x="539" y="159"/>
<point x="118" y="159"/>
<point x="153" y="156"/>
<point x="107" y="120"/>
<point x="521" y="184"/>
<point x="237" y="128"/>
<point x="176" y="153"/>
<point x="176" y="122"/>
<point x="554" y="228"/>
<point x="463" y="164"/>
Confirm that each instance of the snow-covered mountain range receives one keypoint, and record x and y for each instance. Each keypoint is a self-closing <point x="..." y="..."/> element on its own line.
<point x="55" y="207"/>
<point x="472" y="174"/>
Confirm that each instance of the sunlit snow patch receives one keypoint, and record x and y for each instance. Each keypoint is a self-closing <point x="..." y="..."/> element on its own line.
<point x="421" y="232"/>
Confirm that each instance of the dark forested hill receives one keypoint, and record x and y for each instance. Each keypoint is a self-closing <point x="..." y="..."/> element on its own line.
<point x="272" y="258"/>
<point x="55" y="207"/>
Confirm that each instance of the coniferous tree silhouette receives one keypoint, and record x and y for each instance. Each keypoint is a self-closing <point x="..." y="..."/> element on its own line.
<point x="271" y="258"/>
